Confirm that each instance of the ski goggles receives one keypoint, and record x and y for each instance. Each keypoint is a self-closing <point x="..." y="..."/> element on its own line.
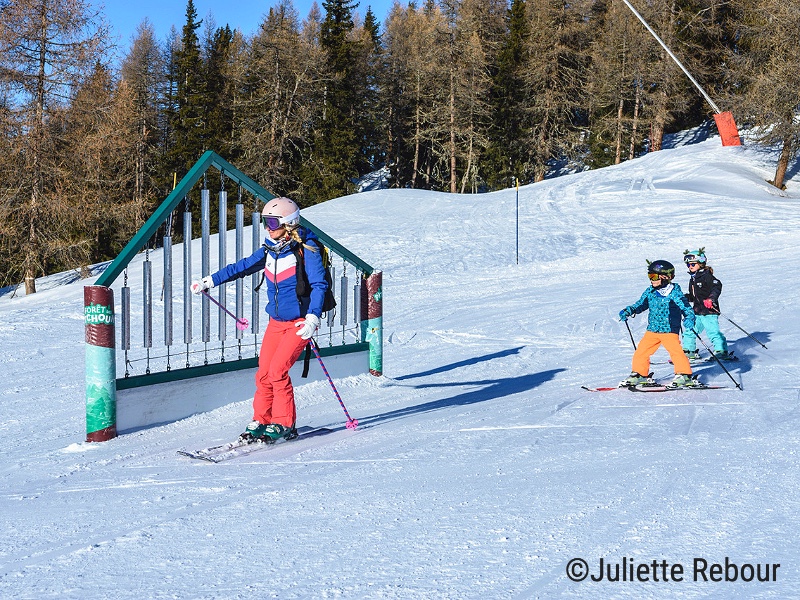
<point x="693" y="264"/>
<point x="657" y="276"/>
<point x="273" y="223"/>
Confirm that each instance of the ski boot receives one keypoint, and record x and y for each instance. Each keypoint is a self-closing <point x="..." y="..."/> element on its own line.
<point x="724" y="355"/>
<point x="692" y="354"/>
<point x="253" y="432"/>
<point x="684" y="381"/>
<point x="635" y="379"/>
<point x="275" y="431"/>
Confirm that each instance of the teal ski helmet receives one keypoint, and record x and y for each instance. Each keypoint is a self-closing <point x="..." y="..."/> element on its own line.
<point x="698" y="256"/>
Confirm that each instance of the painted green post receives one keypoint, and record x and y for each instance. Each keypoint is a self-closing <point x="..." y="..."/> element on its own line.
<point x="101" y="370"/>
<point x="372" y="319"/>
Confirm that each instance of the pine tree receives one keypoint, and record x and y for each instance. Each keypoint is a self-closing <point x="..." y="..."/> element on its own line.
<point x="332" y="166"/>
<point x="504" y="159"/>
<point x="219" y="118"/>
<point x="413" y="92"/>
<point x="368" y="72"/>
<point x="97" y="141"/>
<point x="188" y="123"/>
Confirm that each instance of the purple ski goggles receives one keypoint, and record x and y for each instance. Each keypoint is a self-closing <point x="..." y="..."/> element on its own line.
<point x="271" y="223"/>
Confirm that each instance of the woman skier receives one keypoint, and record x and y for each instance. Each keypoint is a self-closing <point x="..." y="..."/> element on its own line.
<point x="292" y="319"/>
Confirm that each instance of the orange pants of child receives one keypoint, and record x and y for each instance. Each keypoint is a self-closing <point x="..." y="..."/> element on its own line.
<point x="274" y="398"/>
<point x="650" y="343"/>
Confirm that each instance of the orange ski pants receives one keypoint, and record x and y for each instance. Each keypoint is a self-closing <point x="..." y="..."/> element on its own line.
<point x="273" y="401"/>
<point x="650" y="343"/>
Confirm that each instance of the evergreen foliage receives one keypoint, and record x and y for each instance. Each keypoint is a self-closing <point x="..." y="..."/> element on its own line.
<point x="454" y="95"/>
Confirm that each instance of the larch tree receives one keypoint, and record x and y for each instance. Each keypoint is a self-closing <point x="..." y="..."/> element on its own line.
<point x="616" y="86"/>
<point x="556" y="81"/>
<point x="278" y="93"/>
<point x="141" y="83"/>
<point x="766" y="68"/>
<point x="46" y="48"/>
<point x="481" y="26"/>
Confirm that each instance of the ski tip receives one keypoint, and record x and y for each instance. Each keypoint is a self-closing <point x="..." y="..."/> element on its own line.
<point x="598" y="389"/>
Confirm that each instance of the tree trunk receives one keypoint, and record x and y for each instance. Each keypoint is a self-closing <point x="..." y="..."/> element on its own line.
<point x="635" y="125"/>
<point x="416" y="135"/>
<point x="783" y="164"/>
<point x="659" y="121"/>
<point x="453" y="182"/>
<point x="618" y="141"/>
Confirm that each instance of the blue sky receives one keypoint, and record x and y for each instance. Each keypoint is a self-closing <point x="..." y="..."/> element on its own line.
<point x="125" y="15"/>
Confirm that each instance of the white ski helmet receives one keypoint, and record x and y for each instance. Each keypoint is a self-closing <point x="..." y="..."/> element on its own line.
<point x="280" y="212"/>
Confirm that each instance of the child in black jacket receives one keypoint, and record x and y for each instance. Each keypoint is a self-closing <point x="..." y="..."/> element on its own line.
<point x="703" y="294"/>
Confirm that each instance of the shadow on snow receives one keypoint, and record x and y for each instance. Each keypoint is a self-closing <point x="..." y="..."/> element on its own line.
<point x="492" y="390"/>
<point x="462" y="363"/>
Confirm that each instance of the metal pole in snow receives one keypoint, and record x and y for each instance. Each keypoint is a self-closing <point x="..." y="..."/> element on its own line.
<point x="663" y="45"/>
<point x="517" y="182"/>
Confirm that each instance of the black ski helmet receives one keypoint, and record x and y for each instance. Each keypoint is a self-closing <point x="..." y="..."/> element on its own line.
<point x="661" y="267"/>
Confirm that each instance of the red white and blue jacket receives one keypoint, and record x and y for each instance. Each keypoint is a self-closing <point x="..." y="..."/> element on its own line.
<point x="280" y="271"/>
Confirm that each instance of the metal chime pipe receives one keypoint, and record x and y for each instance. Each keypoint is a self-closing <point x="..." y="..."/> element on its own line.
<point x="223" y="260"/>
<point x="205" y="252"/>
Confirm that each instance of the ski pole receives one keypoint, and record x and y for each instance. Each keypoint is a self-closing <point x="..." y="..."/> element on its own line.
<point x="241" y="324"/>
<point x="630" y="333"/>
<point x="743" y="331"/>
<point x="351" y="423"/>
<point x="716" y="358"/>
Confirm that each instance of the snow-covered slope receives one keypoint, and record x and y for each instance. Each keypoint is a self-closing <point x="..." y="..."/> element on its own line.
<point x="481" y="468"/>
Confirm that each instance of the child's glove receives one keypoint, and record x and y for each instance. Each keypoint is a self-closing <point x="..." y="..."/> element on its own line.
<point x="308" y="327"/>
<point x="625" y="313"/>
<point x="708" y="303"/>
<point x="198" y="287"/>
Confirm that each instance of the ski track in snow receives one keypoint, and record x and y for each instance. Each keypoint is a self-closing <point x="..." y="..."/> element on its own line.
<point x="480" y="468"/>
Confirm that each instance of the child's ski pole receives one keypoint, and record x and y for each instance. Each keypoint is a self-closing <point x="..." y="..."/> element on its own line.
<point x="630" y="333"/>
<point x="351" y="423"/>
<point x="241" y="324"/>
<point x="743" y="331"/>
<point x="728" y="373"/>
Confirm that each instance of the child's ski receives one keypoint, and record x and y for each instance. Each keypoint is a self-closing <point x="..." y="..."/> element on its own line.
<point x="729" y="358"/>
<point x="601" y="389"/>
<point x="653" y="388"/>
<point x="667" y="388"/>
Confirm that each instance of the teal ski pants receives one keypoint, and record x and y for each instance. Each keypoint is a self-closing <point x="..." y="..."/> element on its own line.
<point x="709" y="324"/>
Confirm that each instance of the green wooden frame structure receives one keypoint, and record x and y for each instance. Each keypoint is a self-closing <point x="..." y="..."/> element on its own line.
<point x="370" y="342"/>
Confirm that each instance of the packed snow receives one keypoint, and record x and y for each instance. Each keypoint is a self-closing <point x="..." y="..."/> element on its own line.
<point x="480" y="468"/>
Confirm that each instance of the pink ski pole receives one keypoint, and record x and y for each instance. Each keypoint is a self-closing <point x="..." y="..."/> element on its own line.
<point x="351" y="423"/>
<point x="241" y="324"/>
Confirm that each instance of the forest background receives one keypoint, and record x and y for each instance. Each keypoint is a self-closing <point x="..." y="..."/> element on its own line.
<point x="464" y="96"/>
